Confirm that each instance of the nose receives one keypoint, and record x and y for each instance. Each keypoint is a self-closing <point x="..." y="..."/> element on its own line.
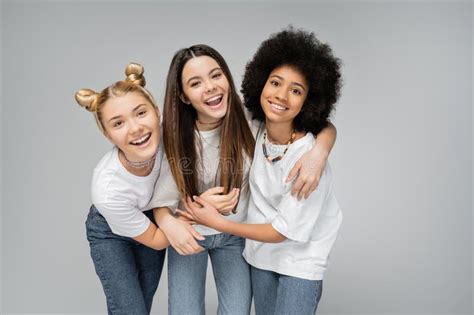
<point x="135" y="126"/>
<point x="210" y="86"/>
<point x="281" y="95"/>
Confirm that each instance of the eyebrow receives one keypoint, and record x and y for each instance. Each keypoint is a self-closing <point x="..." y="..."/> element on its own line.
<point x="197" y="77"/>
<point x="133" y="110"/>
<point x="295" y="83"/>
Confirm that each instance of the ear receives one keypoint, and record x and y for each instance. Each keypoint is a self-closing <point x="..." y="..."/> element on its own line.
<point x="184" y="99"/>
<point x="106" y="135"/>
<point x="157" y="110"/>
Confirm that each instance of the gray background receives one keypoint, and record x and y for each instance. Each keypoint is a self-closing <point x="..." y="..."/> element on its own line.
<point x="402" y="162"/>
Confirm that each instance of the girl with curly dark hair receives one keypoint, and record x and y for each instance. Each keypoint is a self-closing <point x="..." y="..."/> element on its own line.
<point x="291" y="84"/>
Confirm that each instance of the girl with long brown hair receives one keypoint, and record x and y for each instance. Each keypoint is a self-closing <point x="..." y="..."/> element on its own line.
<point x="209" y="143"/>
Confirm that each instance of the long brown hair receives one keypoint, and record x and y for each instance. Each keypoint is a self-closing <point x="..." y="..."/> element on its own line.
<point x="179" y="124"/>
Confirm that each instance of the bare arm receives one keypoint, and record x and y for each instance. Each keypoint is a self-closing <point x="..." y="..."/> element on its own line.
<point x="153" y="237"/>
<point x="310" y="166"/>
<point x="258" y="232"/>
<point x="208" y="215"/>
<point x="180" y="234"/>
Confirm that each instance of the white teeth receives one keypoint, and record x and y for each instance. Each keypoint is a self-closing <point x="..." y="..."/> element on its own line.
<point x="279" y="107"/>
<point x="215" y="98"/>
<point x="142" y="139"/>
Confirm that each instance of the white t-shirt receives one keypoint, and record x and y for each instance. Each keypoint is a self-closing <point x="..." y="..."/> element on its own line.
<point x="120" y="196"/>
<point x="310" y="225"/>
<point x="166" y="191"/>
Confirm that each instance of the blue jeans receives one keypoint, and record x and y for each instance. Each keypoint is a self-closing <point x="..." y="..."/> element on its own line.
<point x="187" y="277"/>
<point x="129" y="271"/>
<point x="275" y="293"/>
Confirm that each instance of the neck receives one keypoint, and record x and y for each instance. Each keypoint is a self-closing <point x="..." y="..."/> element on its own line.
<point x="206" y="126"/>
<point x="142" y="171"/>
<point x="279" y="133"/>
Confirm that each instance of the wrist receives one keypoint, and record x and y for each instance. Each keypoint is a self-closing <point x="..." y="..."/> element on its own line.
<point x="221" y="224"/>
<point x="321" y="150"/>
<point x="165" y="220"/>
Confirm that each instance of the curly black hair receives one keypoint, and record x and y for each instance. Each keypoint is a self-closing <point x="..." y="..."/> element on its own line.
<point x="302" y="50"/>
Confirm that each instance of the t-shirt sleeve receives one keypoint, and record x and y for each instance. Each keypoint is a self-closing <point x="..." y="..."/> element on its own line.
<point x="297" y="220"/>
<point x="166" y="192"/>
<point x="124" y="219"/>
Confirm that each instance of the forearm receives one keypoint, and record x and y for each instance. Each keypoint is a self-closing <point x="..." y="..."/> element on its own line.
<point x="162" y="215"/>
<point x="258" y="232"/>
<point x="165" y="220"/>
<point x="153" y="237"/>
<point x="326" y="139"/>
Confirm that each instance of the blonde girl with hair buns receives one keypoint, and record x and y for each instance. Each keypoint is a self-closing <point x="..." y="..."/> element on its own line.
<point x="126" y="246"/>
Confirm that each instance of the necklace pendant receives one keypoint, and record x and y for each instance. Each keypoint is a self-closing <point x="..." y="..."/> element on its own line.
<point x="277" y="158"/>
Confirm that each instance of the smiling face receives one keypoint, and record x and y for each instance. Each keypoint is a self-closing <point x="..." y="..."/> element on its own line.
<point x="284" y="94"/>
<point x="206" y="87"/>
<point x="131" y="123"/>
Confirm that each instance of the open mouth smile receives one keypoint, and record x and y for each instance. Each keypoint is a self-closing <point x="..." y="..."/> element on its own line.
<point x="214" y="101"/>
<point x="277" y="107"/>
<point x="142" y="140"/>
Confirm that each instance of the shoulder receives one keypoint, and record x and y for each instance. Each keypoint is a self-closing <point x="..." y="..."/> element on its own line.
<point x="105" y="174"/>
<point x="256" y="127"/>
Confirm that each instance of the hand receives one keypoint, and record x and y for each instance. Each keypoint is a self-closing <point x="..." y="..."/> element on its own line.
<point x="203" y="212"/>
<point x="223" y="203"/>
<point x="181" y="236"/>
<point x="309" y="169"/>
<point x="185" y="217"/>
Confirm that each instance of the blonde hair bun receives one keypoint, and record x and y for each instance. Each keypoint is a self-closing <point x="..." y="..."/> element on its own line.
<point x="134" y="73"/>
<point x="87" y="98"/>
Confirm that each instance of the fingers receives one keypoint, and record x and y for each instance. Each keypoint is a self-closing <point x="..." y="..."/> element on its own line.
<point x="221" y="201"/>
<point x="213" y="191"/>
<point x="189" y="248"/>
<point x="185" y="214"/>
<point x="294" y="171"/>
<point x="226" y="210"/>
<point x="196" y="234"/>
<point x="230" y="205"/>
<point x="189" y="205"/>
<point x="303" y="191"/>
<point x="189" y="245"/>
<point x="186" y="220"/>
<point x="304" y="186"/>
<point x="297" y="185"/>
<point x="311" y="189"/>
<point x="201" y="201"/>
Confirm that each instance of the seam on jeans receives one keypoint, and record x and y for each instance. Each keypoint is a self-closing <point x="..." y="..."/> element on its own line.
<point x="105" y="283"/>
<point x="320" y="291"/>
<point x="228" y="243"/>
<point x="202" y="302"/>
<point x="168" y="271"/>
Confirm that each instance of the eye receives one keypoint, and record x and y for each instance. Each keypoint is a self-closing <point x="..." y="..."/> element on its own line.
<point x="195" y="84"/>
<point x="141" y="113"/>
<point x="117" y="124"/>
<point x="275" y="83"/>
<point x="217" y="75"/>
<point x="296" y="92"/>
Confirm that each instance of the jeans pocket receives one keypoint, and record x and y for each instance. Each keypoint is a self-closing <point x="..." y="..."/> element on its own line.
<point x="96" y="226"/>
